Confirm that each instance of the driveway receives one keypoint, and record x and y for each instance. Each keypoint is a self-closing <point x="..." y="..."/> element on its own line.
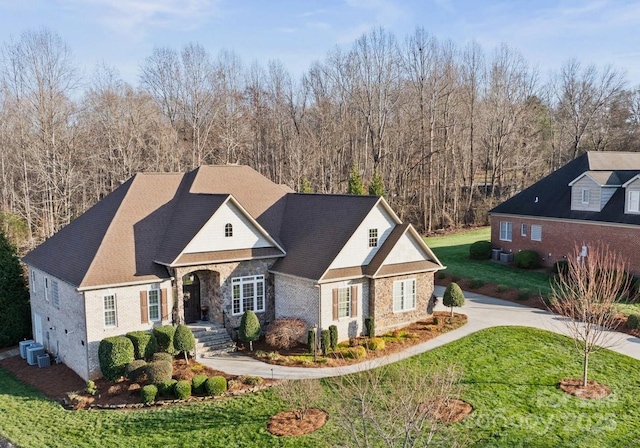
<point x="482" y="311"/>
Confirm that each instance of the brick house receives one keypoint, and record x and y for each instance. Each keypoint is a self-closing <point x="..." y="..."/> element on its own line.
<point x="167" y="247"/>
<point x="595" y="197"/>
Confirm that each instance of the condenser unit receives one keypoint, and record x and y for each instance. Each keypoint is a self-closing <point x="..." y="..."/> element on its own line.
<point x="23" y="347"/>
<point x="44" y="360"/>
<point x="32" y="353"/>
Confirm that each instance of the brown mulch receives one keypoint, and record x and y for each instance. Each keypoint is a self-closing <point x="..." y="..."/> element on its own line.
<point x="451" y="410"/>
<point x="592" y="391"/>
<point x="287" y="424"/>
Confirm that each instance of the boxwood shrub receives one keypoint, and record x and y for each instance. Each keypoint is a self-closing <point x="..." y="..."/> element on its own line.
<point x="162" y="356"/>
<point x="135" y="369"/>
<point x="476" y="283"/>
<point x="480" y="250"/>
<point x="166" y="387"/>
<point x="149" y="393"/>
<point x="633" y="321"/>
<point x="114" y="353"/>
<point x="159" y="371"/>
<point x="182" y="389"/>
<point x="216" y="385"/>
<point x="376" y="344"/>
<point x="164" y="337"/>
<point x="144" y="344"/>
<point x="197" y="383"/>
<point x="527" y="259"/>
<point x="358" y="352"/>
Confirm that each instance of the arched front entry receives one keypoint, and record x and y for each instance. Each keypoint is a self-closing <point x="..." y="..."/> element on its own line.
<point x="191" y="298"/>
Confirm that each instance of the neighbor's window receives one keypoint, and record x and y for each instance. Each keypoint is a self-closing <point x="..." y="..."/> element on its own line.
<point x="154" y="305"/>
<point x="633" y="201"/>
<point x="404" y="295"/>
<point x="506" y="230"/>
<point x="46" y="289"/>
<point x="373" y="237"/>
<point x="536" y="233"/>
<point x="585" y="195"/>
<point x="109" y="311"/>
<point x="54" y="294"/>
<point x="33" y="280"/>
<point x="228" y="230"/>
<point x="523" y="230"/>
<point x="344" y="302"/>
<point x="248" y="294"/>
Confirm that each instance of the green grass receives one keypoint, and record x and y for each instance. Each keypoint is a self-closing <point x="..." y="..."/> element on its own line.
<point x="453" y="252"/>
<point x="510" y="376"/>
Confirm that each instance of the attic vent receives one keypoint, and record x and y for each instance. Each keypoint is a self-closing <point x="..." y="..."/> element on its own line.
<point x="536" y="201"/>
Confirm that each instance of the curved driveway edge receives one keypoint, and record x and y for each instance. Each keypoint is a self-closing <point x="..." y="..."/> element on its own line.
<point x="482" y="311"/>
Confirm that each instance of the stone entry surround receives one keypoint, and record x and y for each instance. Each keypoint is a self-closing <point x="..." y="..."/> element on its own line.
<point x="216" y="292"/>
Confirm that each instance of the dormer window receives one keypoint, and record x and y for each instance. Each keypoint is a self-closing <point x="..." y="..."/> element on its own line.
<point x="585" y="196"/>
<point x="373" y="237"/>
<point x="228" y="230"/>
<point x="633" y="201"/>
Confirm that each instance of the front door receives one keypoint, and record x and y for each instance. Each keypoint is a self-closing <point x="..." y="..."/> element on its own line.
<point x="191" y="297"/>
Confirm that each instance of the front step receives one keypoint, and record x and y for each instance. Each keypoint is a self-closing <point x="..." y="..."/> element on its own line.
<point x="211" y="339"/>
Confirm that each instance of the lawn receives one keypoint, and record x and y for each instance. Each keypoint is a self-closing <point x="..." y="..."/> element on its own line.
<point x="510" y="377"/>
<point x="453" y="252"/>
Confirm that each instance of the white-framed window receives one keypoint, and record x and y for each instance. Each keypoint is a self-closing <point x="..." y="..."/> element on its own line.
<point x="248" y="294"/>
<point x="373" y="237"/>
<point x="633" y="201"/>
<point x="109" y="303"/>
<point x="585" y="196"/>
<point x="344" y="302"/>
<point x="506" y="230"/>
<point x="46" y="289"/>
<point x="536" y="232"/>
<point x="404" y="295"/>
<point x="33" y="280"/>
<point x="154" y="305"/>
<point x="228" y="230"/>
<point x="523" y="230"/>
<point x="54" y="294"/>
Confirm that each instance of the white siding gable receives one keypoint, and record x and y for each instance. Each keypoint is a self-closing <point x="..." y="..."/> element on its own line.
<point x="594" y="195"/>
<point x="406" y="250"/>
<point x="631" y="196"/>
<point x="212" y="235"/>
<point x="357" y="251"/>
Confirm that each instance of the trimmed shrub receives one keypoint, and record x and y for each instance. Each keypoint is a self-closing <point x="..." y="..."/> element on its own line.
<point x="250" y="380"/>
<point x="333" y="336"/>
<point x="453" y="296"/>
<point x="183" y="340"/>
<point x="441" y="275"/>
<point x="358" y="352"/>
<point x="148" y="393"/>
<point x="633" y="321"/>
<point x="164" y="337"/>
<point x="162" y="356"/>
<point x="476" y="283"/>
<point x="216" y="385"/>
<point x="370" y="325"/>
<point x="135" y="369"/>
<point x="560" y="266"/>
<point x="376" y="344"/>
<point x="502" y="288"/>
<point x="114" y="353"/>
<point x="91" y="388"/>
<point x="182" y="389"/>
<point x="311" y="340"/>
<point x="524" y="294"/>
<point x="527" y="259"/>
<point x="197" y="383"/>
<point x="455" y="278"/>
<point x="166" y="387"/>
<point x="159" y="371"/>
<point x="285" y="333"/>
<point x="325" y="341"/>
<point x="480" y="250"/>
<point x="249" y="328"/>
<point x="144" y="344"/>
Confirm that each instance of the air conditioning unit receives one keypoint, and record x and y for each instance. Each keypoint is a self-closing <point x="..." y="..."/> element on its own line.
<point x="33" y="352"/>
<point x="44" y="360"/>
<point x="23" y="347"/>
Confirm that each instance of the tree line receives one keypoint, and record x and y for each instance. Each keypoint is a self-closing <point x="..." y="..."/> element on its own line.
<point x="445" y="131"/>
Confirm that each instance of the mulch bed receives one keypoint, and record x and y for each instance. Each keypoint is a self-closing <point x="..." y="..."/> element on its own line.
<point x="451" y="410"/>
<point x="287" y="424"/>
<point x="592" y="391"/>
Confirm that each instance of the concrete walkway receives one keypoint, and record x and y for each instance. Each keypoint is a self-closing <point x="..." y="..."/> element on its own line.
<point x="9" y="353"/>
<point x="483" y="312"/>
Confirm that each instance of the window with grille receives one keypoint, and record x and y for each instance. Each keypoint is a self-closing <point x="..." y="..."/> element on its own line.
<point x="373" y="237"/>
<point x="109" y="302"/>
<point x="228" y="230"/>
<point x="404" y="295"/>
<point x="248" y="294"/>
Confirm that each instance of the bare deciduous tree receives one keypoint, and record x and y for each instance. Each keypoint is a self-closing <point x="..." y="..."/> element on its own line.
<point x="300" y="395"/>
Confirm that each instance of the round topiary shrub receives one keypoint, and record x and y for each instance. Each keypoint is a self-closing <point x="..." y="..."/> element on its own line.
<point x="183" y="340"/>
<point x="376" y="344"/>
<point x="453" y="296"/>
<point x="182" y="389"/>
<point x="476" y="283"/>
<point x="197" y="383"/>
<point x="285" y="333"/>
<point x="135" y="369"/>
<point x="166" y="387"/>
<point x="149" y="393"/>
<point x="114" y="353"/>
<point x="524" y="294"/>
<point x="162" y="356"/>
<point x="501" y="288"/>
<point x="527" y="259"/>
<point x="480" y="250"/>
<point x="251" y="380"/>
<point x="249" y="330"/>
<point x="144" y="344"/>
<point x="216" y="385"/>
<point x="633" y="321"/>
<point x="159" y="371"/>
<point x="164" y="336"/>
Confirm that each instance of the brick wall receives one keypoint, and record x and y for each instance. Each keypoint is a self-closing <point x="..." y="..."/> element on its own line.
<point x="296" y="297"/>
<point x="559" y="238"/>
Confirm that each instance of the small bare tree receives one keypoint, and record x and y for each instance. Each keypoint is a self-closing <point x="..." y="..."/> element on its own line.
<point x="586" y="293"/>
<point x="300" y="395"/>
<point x="395" y="407"/>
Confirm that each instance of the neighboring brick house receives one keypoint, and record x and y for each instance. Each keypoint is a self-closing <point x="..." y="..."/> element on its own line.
<point x="594" y="198"/>
<point x="164" y="247"/>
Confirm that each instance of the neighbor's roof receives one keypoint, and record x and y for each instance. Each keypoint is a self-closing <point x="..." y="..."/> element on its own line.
<point x="550" y="197"/>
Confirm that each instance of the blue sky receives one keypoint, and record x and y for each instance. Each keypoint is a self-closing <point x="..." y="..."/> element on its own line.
<point x="122" y="33"/>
